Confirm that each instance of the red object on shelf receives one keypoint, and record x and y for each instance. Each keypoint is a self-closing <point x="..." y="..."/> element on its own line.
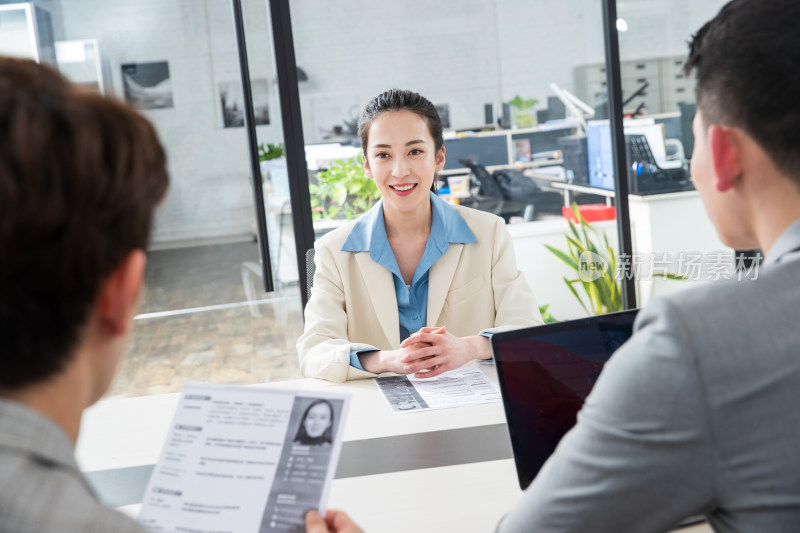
<point x="591" y="212"/>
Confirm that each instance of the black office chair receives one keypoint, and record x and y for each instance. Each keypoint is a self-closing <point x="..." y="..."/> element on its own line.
<point x="516" y="194"/>
<point x="488" y="185"/>
<point x="490" y="196"/>
<point x="311" y="268"/>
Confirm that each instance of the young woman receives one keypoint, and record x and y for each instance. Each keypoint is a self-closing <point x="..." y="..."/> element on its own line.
<point x="410" y="286"/>
<point x="316" y="426"/>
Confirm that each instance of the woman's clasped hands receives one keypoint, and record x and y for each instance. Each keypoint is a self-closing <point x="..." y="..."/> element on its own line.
<point x="427" y="353"/>
<point x="433" y="350"/>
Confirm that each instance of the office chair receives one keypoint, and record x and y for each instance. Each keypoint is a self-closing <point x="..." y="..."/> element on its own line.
<point x="490" y="196"/>
<point x="508" y="193"/>
<point x="488" y="185"/>
<point x="311" y="268"/>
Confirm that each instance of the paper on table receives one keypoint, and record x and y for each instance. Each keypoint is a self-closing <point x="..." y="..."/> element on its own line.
<point x="462" y="386"/>
<point x="245" y="459"/>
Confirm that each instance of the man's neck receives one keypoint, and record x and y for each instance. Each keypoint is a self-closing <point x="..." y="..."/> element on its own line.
<point x="61" y="398"/>
<point x="777" y="209"/>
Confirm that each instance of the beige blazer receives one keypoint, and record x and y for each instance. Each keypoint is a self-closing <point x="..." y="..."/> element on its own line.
<point x="472" y="288"/>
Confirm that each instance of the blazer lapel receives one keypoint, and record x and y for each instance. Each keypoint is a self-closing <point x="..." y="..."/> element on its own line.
<point x="439" y="279"/>
<point x="380" y="287"/>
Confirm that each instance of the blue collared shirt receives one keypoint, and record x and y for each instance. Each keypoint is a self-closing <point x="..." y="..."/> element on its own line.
<point x="369" y="235"/>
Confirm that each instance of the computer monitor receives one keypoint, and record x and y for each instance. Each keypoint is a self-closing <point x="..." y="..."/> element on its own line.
<point x="600" y="155"/>
<point x="546" y="139"/>
<point x="488" y="150"/>
<point x="644" y="174"/>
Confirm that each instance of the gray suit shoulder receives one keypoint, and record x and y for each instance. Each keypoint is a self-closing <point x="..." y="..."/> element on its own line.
<point x="734" y="296"/>
<point x="730" y="328"/>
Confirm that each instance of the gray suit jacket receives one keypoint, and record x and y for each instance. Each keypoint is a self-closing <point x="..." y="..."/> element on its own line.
<point x="699" y="413"/>
<point x="41" y="488"/>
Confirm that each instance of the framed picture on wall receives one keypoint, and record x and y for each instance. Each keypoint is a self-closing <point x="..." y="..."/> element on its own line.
<point x="147" y="85"/>
<point x="232" y="100"/>
<point x="444" y="114"/>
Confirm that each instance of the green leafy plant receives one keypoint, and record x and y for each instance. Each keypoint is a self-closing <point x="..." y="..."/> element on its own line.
<point x="522" y="103"/>
<point x="524" y="117"/>
<point x="343" y="191"/>
<point x="270" y="151"/>
<point x="546" y="316"/>
<point x="603" y="291"/>
<point x="595" y="263"/>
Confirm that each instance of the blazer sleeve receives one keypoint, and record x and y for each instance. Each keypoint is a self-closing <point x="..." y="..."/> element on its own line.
<point x="641" y="457"/>
<point x="514" y="302"/>
<point x="324" y="348"/>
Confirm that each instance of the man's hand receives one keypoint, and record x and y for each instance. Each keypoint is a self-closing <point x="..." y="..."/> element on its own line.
<point x="432" y="351"/>
<point x="334" y="522"/>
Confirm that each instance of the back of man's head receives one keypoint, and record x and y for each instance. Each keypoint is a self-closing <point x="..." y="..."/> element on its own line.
<point x="80" y="176"/>
<point x="747" y="60"/>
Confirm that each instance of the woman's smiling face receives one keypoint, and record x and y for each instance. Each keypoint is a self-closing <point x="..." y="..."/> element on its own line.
<point x="317" y="420"/>
<point x="402" y="159"/>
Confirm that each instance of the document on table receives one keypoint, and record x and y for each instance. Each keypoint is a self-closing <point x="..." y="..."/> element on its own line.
<point x="462" y="386"/>
<point x="245" y="459"/>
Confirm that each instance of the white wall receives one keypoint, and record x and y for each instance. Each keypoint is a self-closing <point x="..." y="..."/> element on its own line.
<point x="210" y="195"/>
<point x="461" y="52"/>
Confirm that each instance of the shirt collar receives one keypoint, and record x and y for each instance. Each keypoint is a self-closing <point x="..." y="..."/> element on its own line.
<point x="34" y="435"/>
<point x="789" y="241"/>
<point x="369" y="233"/>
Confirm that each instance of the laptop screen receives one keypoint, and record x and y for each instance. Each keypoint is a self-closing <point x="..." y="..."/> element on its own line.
<point x="545" y="374"/>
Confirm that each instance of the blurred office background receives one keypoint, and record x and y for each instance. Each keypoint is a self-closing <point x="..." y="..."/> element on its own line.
<point x="205" y="316"/>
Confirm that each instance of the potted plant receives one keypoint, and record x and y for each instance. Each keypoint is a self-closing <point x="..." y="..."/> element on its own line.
<point x="523" y="112"/>
<point x="343" y="191"/>
<point x="595" y="264"/>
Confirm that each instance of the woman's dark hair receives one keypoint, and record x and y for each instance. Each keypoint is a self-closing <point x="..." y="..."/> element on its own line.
<point x="303" y="438"/>
<point x="401" y="100"/>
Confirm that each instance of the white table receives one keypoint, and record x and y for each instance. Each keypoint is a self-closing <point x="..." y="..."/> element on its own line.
<point x="434" y="471"/>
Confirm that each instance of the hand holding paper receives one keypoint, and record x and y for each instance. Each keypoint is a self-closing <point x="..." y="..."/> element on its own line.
<point x="334" y="522"/>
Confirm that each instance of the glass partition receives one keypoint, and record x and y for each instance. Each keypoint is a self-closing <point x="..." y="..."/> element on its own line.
<point x="507" y="78"/>
<point x="671" y="232"/>
<point x="205" y="316"/>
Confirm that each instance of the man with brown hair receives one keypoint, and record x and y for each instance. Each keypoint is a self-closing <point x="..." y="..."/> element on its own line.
<point x="80" y="176"/>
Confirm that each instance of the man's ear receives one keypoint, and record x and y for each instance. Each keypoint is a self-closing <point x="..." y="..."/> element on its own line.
<point x="367" y="170"/>
<point x="725" y="156"/>
<point x="119" y="294"/>
<point x="440" y="159"/>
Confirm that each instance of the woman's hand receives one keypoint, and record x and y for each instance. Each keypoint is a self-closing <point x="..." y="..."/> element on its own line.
<point x="334" y="522"/>
<point x="381" y="361"/>
<point x="432" y="351"/>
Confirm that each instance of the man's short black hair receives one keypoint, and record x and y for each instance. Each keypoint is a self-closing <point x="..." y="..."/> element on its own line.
<point x="80" y="176"/>
<point x="747" y="60"/>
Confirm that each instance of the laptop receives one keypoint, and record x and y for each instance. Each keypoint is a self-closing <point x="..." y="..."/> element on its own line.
<point x="545" y="374"/>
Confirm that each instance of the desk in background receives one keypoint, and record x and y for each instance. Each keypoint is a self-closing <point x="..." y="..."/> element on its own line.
<point x="566" y="188"/>
<point x="497" y="149"/>
<point x="434" y="471"/>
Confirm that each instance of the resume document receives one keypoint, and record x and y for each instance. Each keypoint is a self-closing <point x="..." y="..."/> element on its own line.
<point x="245" y="459"/>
